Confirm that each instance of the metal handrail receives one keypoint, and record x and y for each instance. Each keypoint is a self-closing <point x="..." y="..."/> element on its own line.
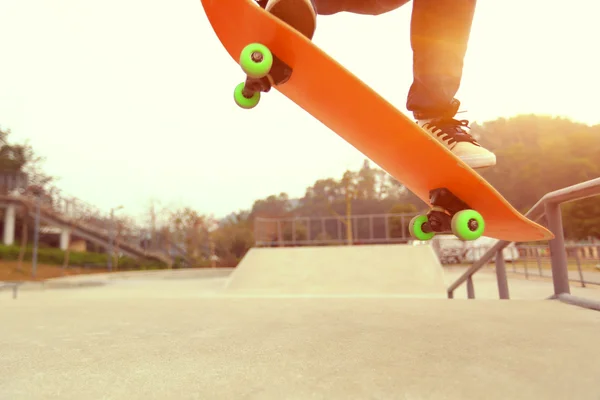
<point x="548" y="206"/>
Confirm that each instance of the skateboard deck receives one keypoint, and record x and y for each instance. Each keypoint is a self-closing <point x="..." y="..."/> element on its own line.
<point x="337" y="98"/>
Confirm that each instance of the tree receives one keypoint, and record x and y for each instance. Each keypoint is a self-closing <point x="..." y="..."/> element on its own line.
<point x="539" y="154"/>
<point x="20" y="158"/>
<point x="233" y="238"/>
<point x="366" y="183"/>
<point x="398" y="224"/>
<point x="581" y="219"/>
<point x="272" y="206"/>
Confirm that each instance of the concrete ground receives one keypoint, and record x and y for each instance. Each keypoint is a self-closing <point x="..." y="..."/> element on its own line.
<point x="183" y="335"/>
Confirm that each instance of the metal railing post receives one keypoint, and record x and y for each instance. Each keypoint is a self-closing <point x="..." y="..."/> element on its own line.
<point x="36" y="237"/>
<point x="501" y="276"/>
<point x="470" y="288"/>
<point x="558" y="253"/>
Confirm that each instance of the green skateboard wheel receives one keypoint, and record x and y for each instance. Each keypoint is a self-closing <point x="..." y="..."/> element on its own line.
<point x="243" y="101"/>
<point x="416" y="228"/>
<point x="256" y="60"/>
<point x="468" y="225"/>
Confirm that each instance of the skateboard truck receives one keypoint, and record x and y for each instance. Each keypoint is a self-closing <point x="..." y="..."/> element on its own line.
<point x="448" y="214"/>
<point x="263" y="70"/>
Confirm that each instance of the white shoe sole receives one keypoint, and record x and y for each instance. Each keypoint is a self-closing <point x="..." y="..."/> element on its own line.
<point x="479" y="162"/>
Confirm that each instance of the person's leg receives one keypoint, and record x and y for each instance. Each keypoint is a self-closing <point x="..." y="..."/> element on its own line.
<point x="440" y="32"/>
<point x="302" y="14"/>
<point x="365" y="7"/>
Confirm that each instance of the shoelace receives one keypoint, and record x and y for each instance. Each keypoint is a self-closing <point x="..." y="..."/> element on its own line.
<point x="451" y="130"/>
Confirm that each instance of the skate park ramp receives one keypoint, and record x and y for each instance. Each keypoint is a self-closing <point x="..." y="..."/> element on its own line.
<point x="365" y="270"/>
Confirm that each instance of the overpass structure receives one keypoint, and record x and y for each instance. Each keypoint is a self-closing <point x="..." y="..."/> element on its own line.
<point x="65" y="214"/>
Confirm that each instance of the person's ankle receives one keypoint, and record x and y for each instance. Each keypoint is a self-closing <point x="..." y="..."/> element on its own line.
<point x="445" y="112"/>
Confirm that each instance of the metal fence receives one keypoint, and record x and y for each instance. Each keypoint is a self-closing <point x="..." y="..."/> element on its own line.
<point x="331" y="230"/>
<point x="583" y="263"/>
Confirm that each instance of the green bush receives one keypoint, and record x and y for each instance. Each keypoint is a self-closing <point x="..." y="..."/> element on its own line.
<point x="55" y="256"/>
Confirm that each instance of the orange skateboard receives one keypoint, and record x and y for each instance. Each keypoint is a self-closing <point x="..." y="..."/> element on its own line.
<point x="273" y="54"/>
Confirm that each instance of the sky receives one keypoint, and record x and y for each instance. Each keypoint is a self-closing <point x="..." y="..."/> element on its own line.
<point x="132" y="100"/>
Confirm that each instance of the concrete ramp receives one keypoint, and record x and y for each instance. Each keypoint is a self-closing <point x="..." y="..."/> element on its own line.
<point x="366" y="270"/>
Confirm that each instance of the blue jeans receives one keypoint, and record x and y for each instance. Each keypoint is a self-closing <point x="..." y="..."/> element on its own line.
<point x="440" y="32"/>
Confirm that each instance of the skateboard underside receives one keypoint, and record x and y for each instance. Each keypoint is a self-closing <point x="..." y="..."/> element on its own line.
<point x="461" y="202"/>
<point x="448" y="214"/>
